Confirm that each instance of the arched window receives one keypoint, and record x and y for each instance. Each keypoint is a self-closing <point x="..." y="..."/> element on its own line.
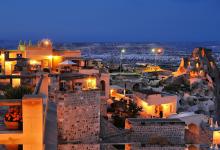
<point x="102" y="83"/>
<point x="102" y="87"/>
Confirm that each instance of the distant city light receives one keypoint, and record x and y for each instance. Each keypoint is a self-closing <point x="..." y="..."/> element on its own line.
<point x="123" y="50"/>
<point x="159" y="50"/>
<point x="153" y="50"/>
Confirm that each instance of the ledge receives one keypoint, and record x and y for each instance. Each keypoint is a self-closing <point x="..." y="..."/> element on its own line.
<point x="10" y="102"/>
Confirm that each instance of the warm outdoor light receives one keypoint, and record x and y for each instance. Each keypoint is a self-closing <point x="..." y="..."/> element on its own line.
<point x="197" y="65"/>
<point x="2" y="56"/>
<point x="91" y="83"/>
<point x="50" y="57"/>
<point x="46" y="42"/>
<point x="33" y="62"/>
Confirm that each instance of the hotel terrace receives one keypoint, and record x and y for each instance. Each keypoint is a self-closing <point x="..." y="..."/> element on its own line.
<point x="51" y="74"/>
<point x="39" y="56"/>
<point x="42" y="57"/>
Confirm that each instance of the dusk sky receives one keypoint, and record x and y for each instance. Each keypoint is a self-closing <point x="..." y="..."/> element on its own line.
<point x="110" y="20"/>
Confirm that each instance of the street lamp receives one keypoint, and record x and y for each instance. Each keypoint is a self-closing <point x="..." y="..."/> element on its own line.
<point x="153" y="50"/>
<point x="121" y="57"/>
<point x="156" y="51"/>
<point x="123" y="50"/>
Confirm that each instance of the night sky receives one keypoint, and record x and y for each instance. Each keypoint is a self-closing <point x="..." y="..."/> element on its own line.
<point x="110" y="20"/>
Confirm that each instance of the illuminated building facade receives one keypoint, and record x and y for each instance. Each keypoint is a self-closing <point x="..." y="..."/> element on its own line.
<point x="156" y="105"/>
<point x="34" y="57"/>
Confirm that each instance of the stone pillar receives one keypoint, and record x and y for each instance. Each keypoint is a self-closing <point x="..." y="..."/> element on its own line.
<point x="32" y="109"/>
<point x="32" y="135"/>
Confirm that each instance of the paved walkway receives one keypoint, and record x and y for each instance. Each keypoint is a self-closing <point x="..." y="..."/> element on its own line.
<point x="51" y="128"/>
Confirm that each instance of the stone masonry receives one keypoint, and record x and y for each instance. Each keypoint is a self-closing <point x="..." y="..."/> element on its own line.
<point x="79" y="147"/>
<point x="78" y="115"/>
<point x="171" y="131"/>
<point x="153" y="147"/>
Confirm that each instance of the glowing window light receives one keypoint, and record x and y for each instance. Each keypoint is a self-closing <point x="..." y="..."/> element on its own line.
<point x="111" y="91"/>
<point x="34" y="62"/>
<point x="91" y="83"/>
<point x="16" y="81"/>
<point x="8" y="68"/>
<point x="197" y="65"/>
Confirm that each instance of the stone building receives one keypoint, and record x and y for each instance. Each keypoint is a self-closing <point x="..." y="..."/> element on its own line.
<point x="155" y="105"/>
<point x="78" y="108"/>
<point x="156" y="131"/>
<point x="79" y="147"/>
<point x="78" y="116"/>
<point x="34" y="57"/>
<point x="153" y="147"/>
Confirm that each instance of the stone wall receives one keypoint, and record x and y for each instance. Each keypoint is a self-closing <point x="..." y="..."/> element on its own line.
<point x="78" y="147"/>
<point x="78" y="116"/>
<point x="103" y="107"/>
<point x="152" y="147"/>
<point x="155" y="131"/>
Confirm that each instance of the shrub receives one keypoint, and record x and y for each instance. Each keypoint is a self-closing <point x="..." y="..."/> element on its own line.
<point x="17" y="92"/>
<point x="46" y="70"/>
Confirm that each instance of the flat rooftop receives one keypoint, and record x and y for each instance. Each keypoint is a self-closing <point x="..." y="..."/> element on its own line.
<point x="69" y="76"/>
<point x="153" y="121"/>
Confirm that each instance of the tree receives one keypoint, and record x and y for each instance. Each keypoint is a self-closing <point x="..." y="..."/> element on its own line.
<point x="133" y="109"/>
<point x="118" y="121"/>
<point x="17" y="92"/>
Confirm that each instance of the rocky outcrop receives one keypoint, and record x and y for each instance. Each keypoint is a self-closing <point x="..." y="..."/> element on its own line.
<point x="201" y="73"/>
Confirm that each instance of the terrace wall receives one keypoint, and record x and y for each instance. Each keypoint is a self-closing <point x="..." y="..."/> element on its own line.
<point x="78" y="147"/>
<point x="78" y="116"/>
<point x="155" y="131"/>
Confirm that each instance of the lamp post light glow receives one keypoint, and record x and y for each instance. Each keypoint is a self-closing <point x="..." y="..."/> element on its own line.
<point x="121" y="57"/>
<point x="159" y="50"/>
<point x="123" y="50"/>
<point x="156" y="52"/>
<point x="46" y="42"/>
<point x="153" y="50"/>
